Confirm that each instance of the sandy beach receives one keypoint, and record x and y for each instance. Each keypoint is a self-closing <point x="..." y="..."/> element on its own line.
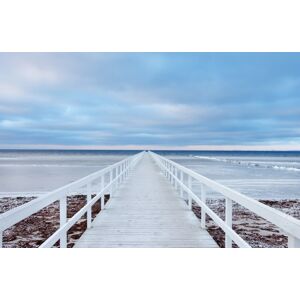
<point x="258" y="232"/>
<point x="33" y="231"/>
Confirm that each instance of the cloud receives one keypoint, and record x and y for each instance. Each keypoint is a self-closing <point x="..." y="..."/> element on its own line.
<point x="162" y="99"/>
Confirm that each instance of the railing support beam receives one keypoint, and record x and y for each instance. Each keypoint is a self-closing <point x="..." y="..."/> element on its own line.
<point x="102" y="197"/>
<point x="203" y="199"/>
<point x="190" y="200"/>
<point x="63" y="220"/>
<point x="89" y="211"/>
<point x="228" y="220"/>
<point x="110" y="181"/>
<point x="181" y="180"/>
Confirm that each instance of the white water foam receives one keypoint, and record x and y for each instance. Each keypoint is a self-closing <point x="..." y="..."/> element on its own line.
<point x="253" y="163"/>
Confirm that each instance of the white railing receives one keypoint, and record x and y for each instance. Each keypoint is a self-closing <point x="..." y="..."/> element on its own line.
<point x="182" y="179"/>
<point x="101" y="182"/>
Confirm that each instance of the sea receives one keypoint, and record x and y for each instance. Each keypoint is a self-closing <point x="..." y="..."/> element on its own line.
<point x="273" y="175"/>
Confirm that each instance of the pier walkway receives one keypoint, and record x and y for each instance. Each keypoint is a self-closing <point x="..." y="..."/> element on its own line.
<point x="146" y="212"/>
<point x="150" y="205"/>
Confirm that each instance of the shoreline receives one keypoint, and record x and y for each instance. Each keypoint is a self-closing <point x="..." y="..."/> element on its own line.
<point x="34" y="230"/>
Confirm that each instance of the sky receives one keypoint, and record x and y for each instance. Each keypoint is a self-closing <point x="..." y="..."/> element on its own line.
<point x="187" y="101"/>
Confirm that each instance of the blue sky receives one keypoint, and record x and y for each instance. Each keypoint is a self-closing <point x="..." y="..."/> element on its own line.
<point x="157" y="100"/>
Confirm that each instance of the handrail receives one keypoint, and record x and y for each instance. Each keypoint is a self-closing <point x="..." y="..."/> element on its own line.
<point x="116" y="173"/>
<point x="288" y="224"/>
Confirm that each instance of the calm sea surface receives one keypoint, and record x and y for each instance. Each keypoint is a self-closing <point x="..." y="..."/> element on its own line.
<point x="262" y="175"/>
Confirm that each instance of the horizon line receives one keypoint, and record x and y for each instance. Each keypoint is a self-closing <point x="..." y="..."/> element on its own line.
<point x="157" y="148"/>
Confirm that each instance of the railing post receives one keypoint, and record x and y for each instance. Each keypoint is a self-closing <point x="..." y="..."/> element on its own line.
<point x="1" y="238"/>
<point x="63" y="220"/>
<point x="117" y="174"/>
<point x="173" y="174"/>
<point x="181" y="181"/>
<point x="190" y="188"/>
<point x="110" y="181"/>
<point x="102" y="197"/>
<point x="89" y="211"/>
<point x="121" y="175"/>
<point x="293" y="242"/>
<point x="176" y="177"/>
<point x="166" y="170"/>
<point x="203" y="199"/>
<point x="228" y="220"/>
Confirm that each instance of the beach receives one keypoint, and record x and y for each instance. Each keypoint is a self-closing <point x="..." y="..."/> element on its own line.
<point x="258" y="232"/>
<point x="33" y="231"/>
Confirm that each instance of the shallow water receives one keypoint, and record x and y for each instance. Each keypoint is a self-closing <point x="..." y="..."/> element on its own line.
<point x="262" y="175"/>
<point x="36" y="172"/>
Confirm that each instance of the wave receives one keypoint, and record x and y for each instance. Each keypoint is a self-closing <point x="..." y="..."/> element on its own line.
<point x="251" y="163"/>
<point x="286" y="168"/>
<point x="212" y="158"/>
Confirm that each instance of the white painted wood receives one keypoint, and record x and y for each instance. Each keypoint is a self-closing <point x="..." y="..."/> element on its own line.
<point x="286" y="223"/>
<point x="203" y="199"/>
<point x="56" y="236"/>
<point x="146" y="212"/>
<point x="181" y="189"/>
<point x="88" y="200"/>
<point x="111" y="178"/>
<point x="63" y="221"/>
<point x="190" y="200"/>
<point x="228" y="220"/>
<point x="19" y="213"/>
<point x="102" y="203"/>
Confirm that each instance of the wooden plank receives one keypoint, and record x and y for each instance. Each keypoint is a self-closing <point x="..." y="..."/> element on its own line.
<point x="146" y="213"/>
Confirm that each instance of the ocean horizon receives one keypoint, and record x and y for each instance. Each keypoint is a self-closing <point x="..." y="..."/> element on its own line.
<point x="259" y="174"/>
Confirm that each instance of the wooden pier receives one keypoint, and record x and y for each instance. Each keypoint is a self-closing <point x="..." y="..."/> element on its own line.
<point x="146" y="212"/>
<point x="150" y="206"/>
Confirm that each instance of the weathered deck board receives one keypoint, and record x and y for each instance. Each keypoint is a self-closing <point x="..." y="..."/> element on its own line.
<point x="146" y="213"/>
